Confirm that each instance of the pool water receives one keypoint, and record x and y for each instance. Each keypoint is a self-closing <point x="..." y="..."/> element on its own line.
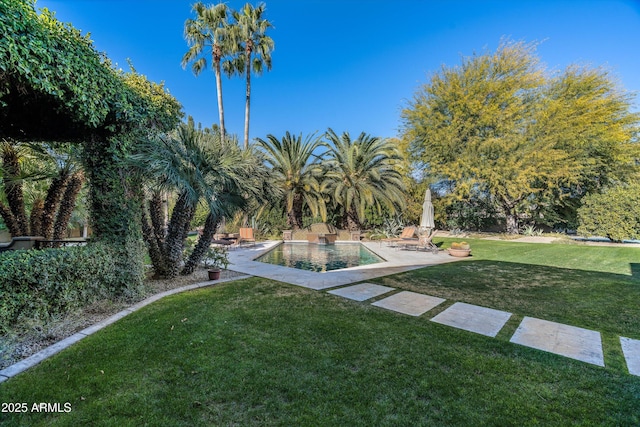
<point x="319" y="258"/>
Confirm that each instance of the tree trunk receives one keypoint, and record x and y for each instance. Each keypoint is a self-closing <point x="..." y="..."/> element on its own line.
<point x="352" y="221"/>
<point x="216" y="61"/>
<point x="248" y="98"/>
<point x="67" y="205"/>
<point x="9" y="220"/>
<point x="13" y="189"/>
<point x="294" y="216"/>
<point x="156" y="214"/>
<point x="52" y="202"/>
<point x="177" y="233"/>
<point x="154" y="246"/>
<point x="204" y="241"/>
<point x="36" y="217"/>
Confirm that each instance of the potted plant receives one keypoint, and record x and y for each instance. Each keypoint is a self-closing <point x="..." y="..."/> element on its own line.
<point x="460" y="249"/>
<point x="214" y="260"/>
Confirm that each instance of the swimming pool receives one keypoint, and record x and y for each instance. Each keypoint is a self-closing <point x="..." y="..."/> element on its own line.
<point x="319" y="258"/>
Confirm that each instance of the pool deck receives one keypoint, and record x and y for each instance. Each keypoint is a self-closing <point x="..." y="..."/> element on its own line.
<point x="396" y="261"/>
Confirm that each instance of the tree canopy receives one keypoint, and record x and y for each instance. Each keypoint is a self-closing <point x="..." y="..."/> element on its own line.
<point x="54" y="85"/>
<point x="501" y="126"/>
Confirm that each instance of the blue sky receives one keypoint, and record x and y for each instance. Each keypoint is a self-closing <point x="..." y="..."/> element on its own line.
<point x="352" y="65"/>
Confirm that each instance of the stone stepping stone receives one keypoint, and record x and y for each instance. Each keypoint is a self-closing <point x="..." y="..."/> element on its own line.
<point x="631" y="350"/>
<point x="361" y="292"/>
<point x="473" y="318"/>
<point x="411" y="303"/>
<point x="569" y="341"/>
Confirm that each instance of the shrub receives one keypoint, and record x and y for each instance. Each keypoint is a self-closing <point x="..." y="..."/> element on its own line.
<point x="460" y="245"/>
<point x="40" y="284"/>
<point x="614" y="214"/>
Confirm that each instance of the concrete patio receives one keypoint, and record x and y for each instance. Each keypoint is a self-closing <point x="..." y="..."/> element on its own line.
<point x="396" y="261"/>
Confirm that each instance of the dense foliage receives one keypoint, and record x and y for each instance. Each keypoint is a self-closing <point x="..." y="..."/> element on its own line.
<point x="361" y="173"/>
<point x="55" y="86"/>
<point x="614" y="213"/>
<point x="295" y="163"/>
<point x="49" y="282"/>
<point x="498" y="126"/>
<point x="199" y="167"/>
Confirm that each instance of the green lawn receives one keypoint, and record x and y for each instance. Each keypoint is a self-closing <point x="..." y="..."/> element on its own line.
<point x="259" y="352"/>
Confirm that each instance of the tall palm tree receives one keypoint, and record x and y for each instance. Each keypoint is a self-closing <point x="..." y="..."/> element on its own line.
<point x="298" y="173"/>
<point x="209" y="31"/>
<point x="253" y="48"/>
<point x="363" y="172"/>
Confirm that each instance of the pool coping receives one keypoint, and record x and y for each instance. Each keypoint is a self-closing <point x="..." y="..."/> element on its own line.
<point x="395" y="261"/>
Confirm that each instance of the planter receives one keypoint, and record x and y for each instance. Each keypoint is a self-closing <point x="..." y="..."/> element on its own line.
<point x="459" y="252"/>
<point x="214" y="274"/>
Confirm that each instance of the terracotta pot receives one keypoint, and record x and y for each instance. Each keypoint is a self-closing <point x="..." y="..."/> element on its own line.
<point x="459" y="252"/>
<point x="214" y="274"/>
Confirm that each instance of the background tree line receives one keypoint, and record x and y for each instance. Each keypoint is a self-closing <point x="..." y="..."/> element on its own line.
<point x="500" y="133"/>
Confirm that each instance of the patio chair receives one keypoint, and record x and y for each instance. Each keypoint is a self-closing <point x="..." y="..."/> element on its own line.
<point x="423" y="242"/>
<point x="408" y="233"/>
<point x="246" y="236"/>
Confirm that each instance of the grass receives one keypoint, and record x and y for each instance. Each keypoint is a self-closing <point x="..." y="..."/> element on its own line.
<point x="259" y="352"/>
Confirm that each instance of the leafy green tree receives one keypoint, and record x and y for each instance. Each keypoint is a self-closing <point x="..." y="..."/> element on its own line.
<point x="253" y="50"/>
<point x="615" y="213"/>
<point x="298" y="172"/>
<point x="55" y="86"/>
<point x="208" y="32"/>
<point x="360" y="173"/>
<point x="497" y="125"/>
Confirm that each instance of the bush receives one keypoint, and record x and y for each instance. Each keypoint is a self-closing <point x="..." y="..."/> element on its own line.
<point x="40" y="284"/>
<point x="614" y="214"/>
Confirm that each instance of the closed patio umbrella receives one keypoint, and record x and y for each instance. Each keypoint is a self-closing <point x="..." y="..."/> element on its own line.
<point x="426" y="221"/>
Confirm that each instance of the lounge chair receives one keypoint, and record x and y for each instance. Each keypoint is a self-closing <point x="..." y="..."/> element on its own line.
<point x="423" y="242"/>
<point x="408" y="233"/>
<point x="246" y="236"/>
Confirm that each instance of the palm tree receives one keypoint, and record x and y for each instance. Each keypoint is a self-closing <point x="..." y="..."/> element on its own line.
<point x="200" y="167"/>
<point x="47" y="170"/>
<point x="297" y="172"/>
<point x="361" y="173"/>
<point x="208" y="31"/>
<point x="253" y="48"/>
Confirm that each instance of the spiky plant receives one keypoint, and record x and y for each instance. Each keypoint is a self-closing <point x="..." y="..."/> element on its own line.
<point x="298" y="172"/>
<point x="360" y="173"/>
<point x="199" y="166"/>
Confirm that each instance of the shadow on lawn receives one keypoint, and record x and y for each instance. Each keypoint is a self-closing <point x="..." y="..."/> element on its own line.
<point x="635" y="270"/>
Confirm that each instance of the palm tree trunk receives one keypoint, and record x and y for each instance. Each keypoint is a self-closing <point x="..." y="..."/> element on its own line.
<point x="13" y="189"/>
<point x="52" y="202"/>
<point x="247" y="106"/>
<point x="216" y="61"/>
<point x="154" y="247"/>
<point x="67" y="204"/>
<point x="294" y="216"/>
<point x="352" y="220"/>
<point x="177" y="233"/>
<point x="36" y="217"/>
<point x="9" y="220"/>
<point x="210" y="225"/>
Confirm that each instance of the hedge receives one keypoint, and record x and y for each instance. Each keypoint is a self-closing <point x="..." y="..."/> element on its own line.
<point x="38" y="284"/>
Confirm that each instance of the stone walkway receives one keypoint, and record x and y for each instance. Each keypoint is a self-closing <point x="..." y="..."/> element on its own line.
<point x="569" y="341"/>
<point x="565" y="340"/>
